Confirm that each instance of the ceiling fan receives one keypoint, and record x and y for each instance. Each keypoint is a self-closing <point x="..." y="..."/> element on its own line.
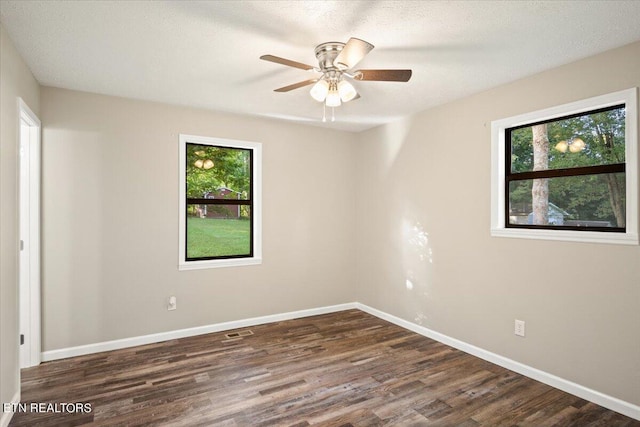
<point x="336" y="61"/>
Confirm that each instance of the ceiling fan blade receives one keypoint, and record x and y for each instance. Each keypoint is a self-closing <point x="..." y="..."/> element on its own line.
<point x="352" y="53"/>
<point x="296" y="85"/>
<point x="287" y="62"/>
<point x="383" y="75"/>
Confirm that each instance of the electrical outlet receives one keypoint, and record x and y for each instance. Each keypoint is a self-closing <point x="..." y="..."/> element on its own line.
<point x="519" y="328"/>
<point x="173" y="304"/>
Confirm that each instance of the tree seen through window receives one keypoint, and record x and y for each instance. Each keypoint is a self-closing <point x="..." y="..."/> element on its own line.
<point x="568" y="172"/>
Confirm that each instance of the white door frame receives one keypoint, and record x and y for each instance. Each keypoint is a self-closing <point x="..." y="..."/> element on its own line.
<point x="29" y="129"/>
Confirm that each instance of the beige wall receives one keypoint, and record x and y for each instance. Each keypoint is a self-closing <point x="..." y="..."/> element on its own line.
<point x="424" y="216"/>
<point x="15" y="81"/>
<point x="110" y="222"/>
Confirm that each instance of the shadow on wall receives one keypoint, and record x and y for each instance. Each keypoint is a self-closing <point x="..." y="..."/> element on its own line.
<point x="395" y="135"/>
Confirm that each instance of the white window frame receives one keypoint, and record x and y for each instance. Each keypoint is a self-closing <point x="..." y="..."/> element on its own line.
<point x="256" y="212"/>
<point x="498" y="148"/>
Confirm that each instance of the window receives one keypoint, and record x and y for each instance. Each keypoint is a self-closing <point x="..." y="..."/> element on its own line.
<point x="220" y="202"/>
<point x="568" y="172"/>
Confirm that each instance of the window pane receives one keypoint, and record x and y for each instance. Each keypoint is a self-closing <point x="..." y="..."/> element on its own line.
<point x="584" y="201"/>
<point x="218" y="230"/>
<point x="586" y="140"/>
<point x="218" y="172"/>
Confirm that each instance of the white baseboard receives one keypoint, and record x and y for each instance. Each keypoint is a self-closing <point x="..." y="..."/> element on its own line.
<point x="81" y="350"/>
<point x="5" y="419"/>
<point x="609" y="402"/>
<point x="591" y="395"/>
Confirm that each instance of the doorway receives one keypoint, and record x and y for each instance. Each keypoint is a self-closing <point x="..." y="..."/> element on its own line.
<point x="29" y="219"/>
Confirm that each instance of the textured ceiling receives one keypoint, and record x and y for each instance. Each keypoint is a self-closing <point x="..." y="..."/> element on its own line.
<point x="206" y="53"/>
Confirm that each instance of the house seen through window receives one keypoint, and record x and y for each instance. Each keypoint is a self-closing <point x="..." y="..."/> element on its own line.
<point x="218" y="202"/>
<point x="569" y="172"/>
<point x="220" y="212"/>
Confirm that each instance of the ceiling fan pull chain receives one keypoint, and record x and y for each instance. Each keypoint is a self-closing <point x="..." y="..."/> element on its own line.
<point x="333" y="114"/>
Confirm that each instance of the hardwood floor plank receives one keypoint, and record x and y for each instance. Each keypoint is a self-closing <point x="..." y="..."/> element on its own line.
<point x="341" y="369"/>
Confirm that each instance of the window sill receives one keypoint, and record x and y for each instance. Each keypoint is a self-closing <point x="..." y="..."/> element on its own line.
<point x="218" y="263"/>
<point x="567" y="235"/>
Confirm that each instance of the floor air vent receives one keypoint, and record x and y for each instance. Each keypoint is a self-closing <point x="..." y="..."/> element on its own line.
<point x="239" y="334"/>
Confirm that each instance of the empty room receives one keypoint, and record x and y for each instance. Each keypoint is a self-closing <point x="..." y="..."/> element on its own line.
<point x="336" y="213"/>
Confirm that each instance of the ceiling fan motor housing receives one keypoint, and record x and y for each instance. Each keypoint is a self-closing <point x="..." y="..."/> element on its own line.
<point x="326" y="54"/>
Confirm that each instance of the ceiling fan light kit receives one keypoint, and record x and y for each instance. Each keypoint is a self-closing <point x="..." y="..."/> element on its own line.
<point x="346" y="90"/>
<point x="333" y="97"/>
<point x="320" y="90"/>
<point x="335" y="61"/>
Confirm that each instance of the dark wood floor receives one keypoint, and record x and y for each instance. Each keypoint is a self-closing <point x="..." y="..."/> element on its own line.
<point x="341" y="369"/>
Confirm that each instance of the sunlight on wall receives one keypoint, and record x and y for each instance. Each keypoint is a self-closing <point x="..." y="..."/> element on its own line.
<point x="409" y="284"/>
<point x="417" y="260"/>
<point x="418" y="239"/>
